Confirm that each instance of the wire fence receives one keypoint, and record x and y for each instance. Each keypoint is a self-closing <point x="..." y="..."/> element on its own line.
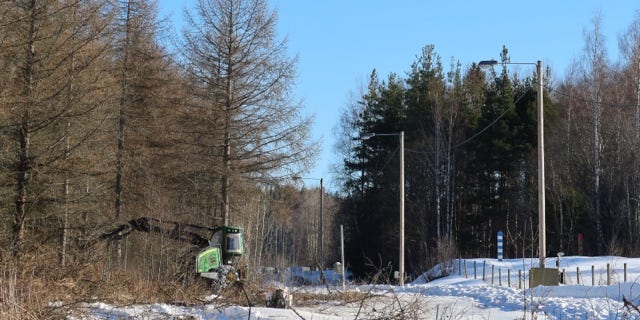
<point x="519" y="276"/>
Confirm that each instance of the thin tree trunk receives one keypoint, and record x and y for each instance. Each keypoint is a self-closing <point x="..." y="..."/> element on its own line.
<point x="67" y="152"/>
<point x="23" y="165"/>
<point x="121" y="127"/>
<point x="65" y="218"/>
<point x="437" y="171"/>
<point x="22" y="180"/>
<point x="596" y="171"/>
<point x="448" y="178"/>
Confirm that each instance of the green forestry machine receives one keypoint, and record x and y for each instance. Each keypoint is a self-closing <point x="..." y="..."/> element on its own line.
<point x="220" y="248"/>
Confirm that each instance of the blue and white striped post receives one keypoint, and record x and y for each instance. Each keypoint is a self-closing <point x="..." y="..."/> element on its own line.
<point x="499" y="245"/>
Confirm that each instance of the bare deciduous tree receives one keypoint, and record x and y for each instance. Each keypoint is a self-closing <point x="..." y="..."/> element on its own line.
<point x="143" y="74"/>
<point x="595" y="73"/>
<point x="52" y="50"/>
<point x="250" y="126"/>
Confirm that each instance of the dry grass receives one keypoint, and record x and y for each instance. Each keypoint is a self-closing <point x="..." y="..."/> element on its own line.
<point x="36" y="287"/>
<point x="25" y="292"/>
<point x="35" y="290"/>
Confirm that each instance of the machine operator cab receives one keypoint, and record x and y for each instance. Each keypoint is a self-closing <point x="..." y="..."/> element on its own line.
<point x="225" y="249"/>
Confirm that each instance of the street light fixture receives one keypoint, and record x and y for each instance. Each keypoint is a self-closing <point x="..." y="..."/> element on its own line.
<point x="542" y="240"/>
<point x="400" y="134"/>
<point x="321" y="226"/>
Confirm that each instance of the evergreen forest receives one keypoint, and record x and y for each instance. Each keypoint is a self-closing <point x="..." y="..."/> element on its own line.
<point x="471" y="158"/>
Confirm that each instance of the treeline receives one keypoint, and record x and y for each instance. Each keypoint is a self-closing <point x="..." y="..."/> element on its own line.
<point x="100" y="123"/>
<point x="470" y="143"/>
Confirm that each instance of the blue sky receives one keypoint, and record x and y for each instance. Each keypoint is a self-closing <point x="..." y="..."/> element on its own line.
<point x="339" y="42"/>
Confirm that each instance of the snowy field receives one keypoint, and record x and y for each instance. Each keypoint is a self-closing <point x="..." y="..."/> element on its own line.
<point x="596" y="294"/>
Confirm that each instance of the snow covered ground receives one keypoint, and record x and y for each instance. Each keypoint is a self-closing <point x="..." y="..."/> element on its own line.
<point x="461" y="295"/>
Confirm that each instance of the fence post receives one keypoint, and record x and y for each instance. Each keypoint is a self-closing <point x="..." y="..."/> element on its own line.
<point x="519" y="279"/>
<point x="608" y="274"/>
<point x="475" y="271"/>
<point x="509" y="278"/>
<point x="484" y="267"/>
<point x="500" y="277"/>
<point x="593" y="276"/>
<point x="578" y="275"/>
<point x="625" y="272"/>
<point x="465" y="269"/>
<point x="492" y="273"/>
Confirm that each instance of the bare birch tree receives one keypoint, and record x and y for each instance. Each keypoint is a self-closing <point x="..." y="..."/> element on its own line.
<point x="595" y="64"/>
